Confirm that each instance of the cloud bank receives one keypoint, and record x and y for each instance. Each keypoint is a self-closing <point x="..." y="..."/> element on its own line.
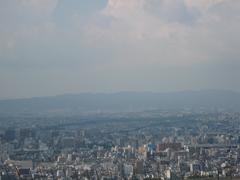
<point x="155" y="45"/>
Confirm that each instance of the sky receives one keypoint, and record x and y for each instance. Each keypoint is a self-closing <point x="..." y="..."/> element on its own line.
<point x="51" y="47"/>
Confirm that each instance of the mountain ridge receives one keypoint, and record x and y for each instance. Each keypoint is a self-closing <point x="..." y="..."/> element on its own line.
<point x="124" y="101"/>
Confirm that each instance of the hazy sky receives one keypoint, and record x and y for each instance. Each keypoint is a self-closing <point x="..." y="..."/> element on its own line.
<point x="50" y="47"/>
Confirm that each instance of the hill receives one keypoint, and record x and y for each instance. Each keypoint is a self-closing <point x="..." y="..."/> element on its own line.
<point x="124" y="102"/>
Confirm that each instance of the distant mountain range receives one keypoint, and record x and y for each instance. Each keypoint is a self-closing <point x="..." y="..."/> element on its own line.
<point x="123" y="102"/>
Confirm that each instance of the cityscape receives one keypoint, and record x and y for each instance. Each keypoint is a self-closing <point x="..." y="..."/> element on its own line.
<point x="119" y="90"/>
<point x="145" y="145"/>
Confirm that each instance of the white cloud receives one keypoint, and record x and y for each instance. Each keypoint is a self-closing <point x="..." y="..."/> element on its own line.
<point x="162" y="36"/>
<point x="122" y="8"/>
